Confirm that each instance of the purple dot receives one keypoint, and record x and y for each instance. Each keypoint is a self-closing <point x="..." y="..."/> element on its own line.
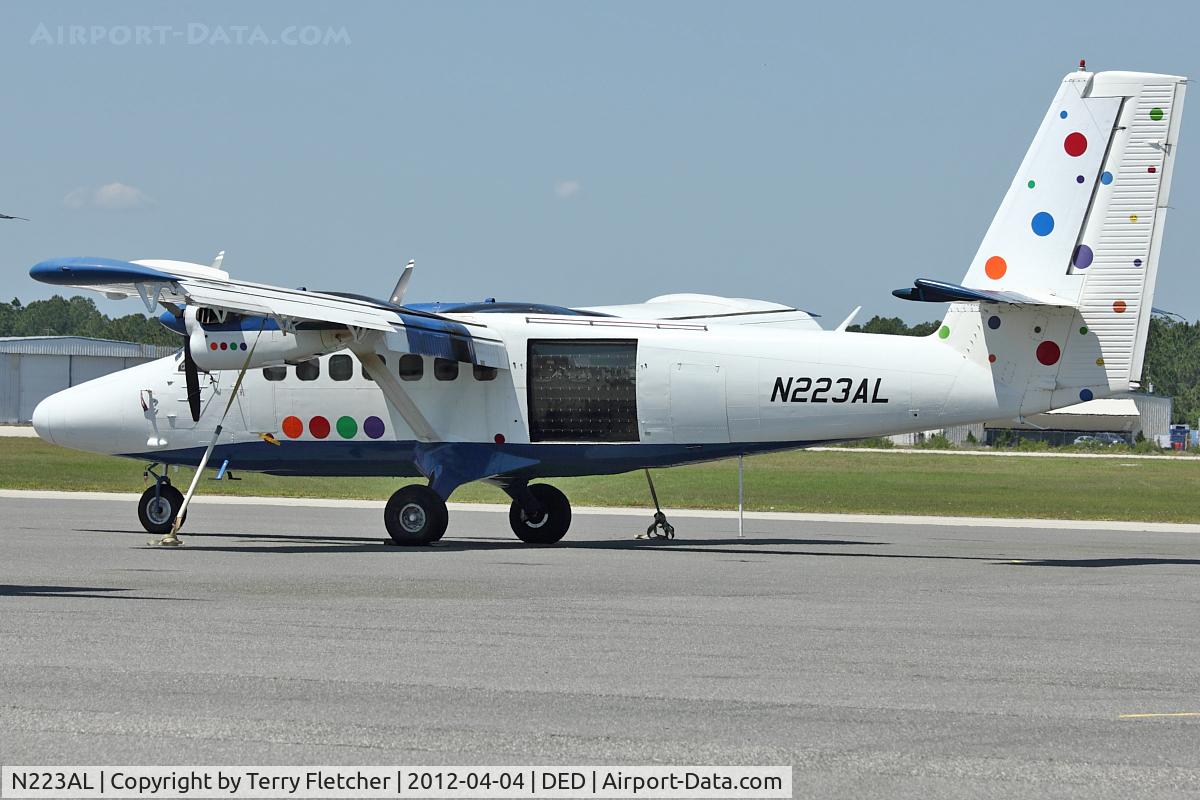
<point x="1079" y="179"/>
<point x="1137" y="262"/>
<point x="1083" y="257"/>
<point x="993" y="322"/>
<point x="373" y="427"/>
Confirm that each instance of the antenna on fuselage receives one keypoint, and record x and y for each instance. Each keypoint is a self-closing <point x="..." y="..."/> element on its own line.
<point x="402" y="284"/>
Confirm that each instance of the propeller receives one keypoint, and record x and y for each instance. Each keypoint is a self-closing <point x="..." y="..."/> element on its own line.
<point x="174" y="319"/>
<point x="192" y="376"/>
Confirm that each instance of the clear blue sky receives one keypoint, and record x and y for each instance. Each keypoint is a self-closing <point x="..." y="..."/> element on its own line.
<point x="574" y="153"/>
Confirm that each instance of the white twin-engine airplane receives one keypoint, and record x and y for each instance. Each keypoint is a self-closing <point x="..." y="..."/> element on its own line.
<point x="1053" y="310"/>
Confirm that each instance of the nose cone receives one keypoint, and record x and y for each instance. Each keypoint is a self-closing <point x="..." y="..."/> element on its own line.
<point x="41" y="418"/>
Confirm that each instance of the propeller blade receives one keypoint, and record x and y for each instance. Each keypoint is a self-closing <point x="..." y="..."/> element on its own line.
<point x="193" y="382"/>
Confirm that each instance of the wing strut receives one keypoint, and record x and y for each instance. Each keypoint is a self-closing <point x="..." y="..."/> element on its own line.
<point x="395" y="394"/>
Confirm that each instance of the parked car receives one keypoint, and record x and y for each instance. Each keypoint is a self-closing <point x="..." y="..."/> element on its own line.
<point x="1105" y="439"/>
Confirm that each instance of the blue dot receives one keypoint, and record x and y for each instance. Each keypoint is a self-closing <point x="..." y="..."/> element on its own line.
<point x="1042" y="223"/>
<point x="1062" y="114"/>
<point x="993" y="322"/>
<point x="1085" y="395"/>
<point x="1137" y="262"/>
<point x="1106" y="178"/>
<point x="1079" y="179"/>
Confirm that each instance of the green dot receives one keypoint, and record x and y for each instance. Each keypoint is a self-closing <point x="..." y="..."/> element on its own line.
<point x="347" y="427"/>
<point x="1156" y="114"/>
<point x="944" y="332"/>
<point x="1030" y="184"/>
<point x="1083" y="331"/>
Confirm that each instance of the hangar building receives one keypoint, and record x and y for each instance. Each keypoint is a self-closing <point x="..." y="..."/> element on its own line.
<point x="35" y="367"/>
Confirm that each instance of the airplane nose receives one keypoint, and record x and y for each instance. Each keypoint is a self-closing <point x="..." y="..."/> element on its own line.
<point x="41" y="419"/>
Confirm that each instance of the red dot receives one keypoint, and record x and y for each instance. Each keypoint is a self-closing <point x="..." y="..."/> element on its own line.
<point x="224" y="345"/>
<point x="992" y="358"/>
<point x="292" y="427"/>
<point x="1152" y="169"/>
<point x="1075" y="144"/>
<point x="213" y="346"/>
<point x="318" y="427"/>
<point x="499" y="438"/>
<point x="1048" y="353"/>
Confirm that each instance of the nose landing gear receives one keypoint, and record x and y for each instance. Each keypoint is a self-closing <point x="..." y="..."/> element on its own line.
<point x="159" y="505"/>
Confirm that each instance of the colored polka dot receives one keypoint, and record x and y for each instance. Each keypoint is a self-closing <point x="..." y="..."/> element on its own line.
<point x="1156" y="114"/>
<point x="1119" y="306"/>
<point x="944" y="332"/>
<point x="1099" y="362"/>
<point x="1152" y="170"/>
<point x="1048" y="353"/>
<point x="292" y="427"/>
<point x="1062" y="115"/>
<point x="318" y="427"/>
<point x="1085" y="395"/>
<point x="1133" y="217"/>
<point x="1075" y="144"/>
<point x="224" y="345"/>
<point x="499" y="439"/>
<point x="1031" y="184"/>
<point x="1083" y="331"/>
<point x="347" y="427"/>
<point x="1137" y="262"/>
<point x="1106" y="178"/>
<point x="992" y="358"/>
<point x="1083" y="257"/>
<point x="995" y="267"/>
<point x="243" y="345"/>
<point x="373" y="427"/>
<point x="993" y="322"/>
<point x="1079" y="179"/>
<point x="212" y="346"/>
<point x="1042" y="223"/>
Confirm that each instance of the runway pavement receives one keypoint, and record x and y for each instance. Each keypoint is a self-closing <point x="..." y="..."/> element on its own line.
<point x="881" y="660"/>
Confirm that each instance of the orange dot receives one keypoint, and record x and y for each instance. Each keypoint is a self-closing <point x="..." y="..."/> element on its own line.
<point x="995" y="268"/>
<point x="292" y="427"/>
<point x="1119" y="306"/>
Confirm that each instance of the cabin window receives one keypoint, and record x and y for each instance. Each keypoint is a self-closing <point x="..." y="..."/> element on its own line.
<point x="308" y="370"/>
<point x="364" y="369"/>
<point x="274" y="373"/>
<point x="444" y="369"/>
<point x="341" y="368"/>
<point x="482" y="373"/>
<point x="412" y="367"/>
<point x="583" y="390"/>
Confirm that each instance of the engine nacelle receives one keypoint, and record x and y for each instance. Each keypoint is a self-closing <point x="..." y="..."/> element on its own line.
<point x="225" y="345"/>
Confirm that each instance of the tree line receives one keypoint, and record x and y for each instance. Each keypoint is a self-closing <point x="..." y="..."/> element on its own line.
<point x="1172" y="352"/>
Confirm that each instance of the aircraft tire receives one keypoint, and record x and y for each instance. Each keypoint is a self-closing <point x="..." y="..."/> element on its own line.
<point x="553" y="524"/>
<point x="157" y="515"/>
<point x="415" y="515"/>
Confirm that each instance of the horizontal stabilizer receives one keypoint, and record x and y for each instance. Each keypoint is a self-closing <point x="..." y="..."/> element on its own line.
<point x="926" y="290"/>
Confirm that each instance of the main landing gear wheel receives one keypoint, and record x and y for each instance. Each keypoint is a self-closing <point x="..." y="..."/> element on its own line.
<point x="158" y="507"/>
<point x="415" y="516"/>
<point x="546" y="527"/>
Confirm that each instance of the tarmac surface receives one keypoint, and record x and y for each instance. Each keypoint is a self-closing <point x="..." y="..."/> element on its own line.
<point x="880" y="659"/>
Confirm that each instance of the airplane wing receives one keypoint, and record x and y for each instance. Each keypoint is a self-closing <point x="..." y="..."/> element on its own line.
<point x="181" y="283"/>
<point x="926" y="290"/>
